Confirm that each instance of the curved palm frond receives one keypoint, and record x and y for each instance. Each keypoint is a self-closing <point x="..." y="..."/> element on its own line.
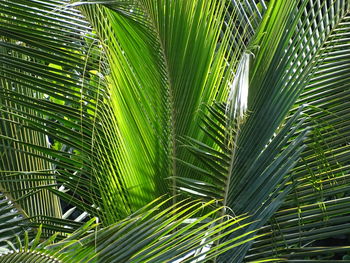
<point x="49" y="94"/>
<point x="65" y="102"/>
<point x="182" y="68"/>
<point x="152" y="234"/>
<point x="12" y="222"/>
<point x="103" y="128"/>
<point x="286" y="58"/>
<point x="317" y="206"/>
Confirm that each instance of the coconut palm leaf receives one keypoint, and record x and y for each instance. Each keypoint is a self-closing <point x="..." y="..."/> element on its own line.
<point x="179" y="43"/>
<point x="146" y="236"/>
<point x="12" y="222"/>
<point x="317" y="206"/>
<point x="80" y="108"/>
<point x="97" y="98"/>
<point x="323" y="172"/>
<point x="42" y="98"/>
<point x="110" y="126"/>
<point x="275" y="162"/>
<point x="279" y="73"/>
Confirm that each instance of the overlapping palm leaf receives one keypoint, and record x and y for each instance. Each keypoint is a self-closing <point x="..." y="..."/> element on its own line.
<point x="152" y="234"/>
<point x="78" y="102"/>
<point x="182" y="68"/>
<point x="49" y="91"/>
<point x="286" y="57"/>
<point x="317" y="206"/>
<point x="118" y="101"/>
<point x="12" y="222"/>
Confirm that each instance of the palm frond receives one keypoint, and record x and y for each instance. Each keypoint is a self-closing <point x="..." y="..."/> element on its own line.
<point x="316" y="209"/>
<point x="180" y="233"/>
<point x="278" y="75"/>
<point x="12" y="222"/>
<point x="97" y="118"/>
<point x="61" y="96"/>
<point x="182" y="66"/>
<point x="261" y="195"/>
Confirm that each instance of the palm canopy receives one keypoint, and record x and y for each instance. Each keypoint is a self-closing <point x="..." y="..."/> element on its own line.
<point x="108" y="105"/>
